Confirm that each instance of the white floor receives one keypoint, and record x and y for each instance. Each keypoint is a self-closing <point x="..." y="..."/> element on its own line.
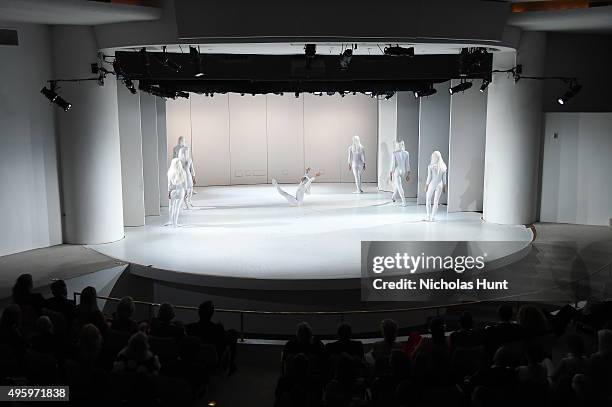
<point x="251" y="232"/>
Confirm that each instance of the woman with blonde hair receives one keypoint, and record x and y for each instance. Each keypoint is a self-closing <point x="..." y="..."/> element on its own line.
<point x="177" y="189"/>
<point x="435" y="184"/>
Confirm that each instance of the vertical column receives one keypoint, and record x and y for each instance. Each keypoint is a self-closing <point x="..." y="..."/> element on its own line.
<point x="408" y="132"/>
<point x="162" y="150"/>
<point x="150" y="162"/>
<point x="387" y="135"/>
<point x="468" y="122"/>
<point x="89" y="143"/>
<point x="131" y="157"/>
<point x="434" y="124"/>
<point x="514" y="117"/>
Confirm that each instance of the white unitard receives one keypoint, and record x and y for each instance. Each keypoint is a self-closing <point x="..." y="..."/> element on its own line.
<point x="184" y="154"/>
<point x="181" y="143"/>
<point x="177" y="188"/>
<point x="356" y="160"/>
<point x="303" y="187"/>
<point x="436" y="182"/>
<point x="400" y="167"/>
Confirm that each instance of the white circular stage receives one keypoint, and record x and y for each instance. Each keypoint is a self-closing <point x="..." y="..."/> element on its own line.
<point x="249" y="237"/>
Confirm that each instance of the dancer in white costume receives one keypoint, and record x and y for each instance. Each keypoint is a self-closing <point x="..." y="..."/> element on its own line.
<point x="184" y="155"/>
<point x="400" y="168"/>
<point x="177" y="189"/>
<point x="181" y="143"/>
<point x="356" y="161"/>
<point x="435" y="184"/>
<point x="301" y="190"/>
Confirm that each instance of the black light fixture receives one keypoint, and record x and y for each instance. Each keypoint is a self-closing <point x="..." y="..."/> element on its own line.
<point x="181" y="94"/>
<point x="574" y="88"/>
<point x="425" y="92"/>
<point x="54" y="98"/>
<point x="310" y="50"/>
<point x="146" y="62"/>
<point x="485" y="85"/>
<point x="345" y="58"/>
<point x="297" y="95"/>
<point x="397" y="51"/>
<point x="460" y="87"/>
<point x="317" y="93"/>
<point x="196" y="60"/>
<point x="389" y="95"/>
<point x="130" y="85"/>
<point x="168" y="63"/>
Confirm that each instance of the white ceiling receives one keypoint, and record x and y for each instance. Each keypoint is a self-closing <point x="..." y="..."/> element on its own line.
<point x="73" y="12"/>
<point x="587" y="20"/>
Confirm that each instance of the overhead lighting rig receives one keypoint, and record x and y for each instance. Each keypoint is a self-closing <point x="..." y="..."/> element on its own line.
<point x="397" y="51"/>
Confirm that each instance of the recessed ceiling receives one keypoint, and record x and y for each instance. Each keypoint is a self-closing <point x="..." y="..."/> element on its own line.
<point x="73" y="12"/>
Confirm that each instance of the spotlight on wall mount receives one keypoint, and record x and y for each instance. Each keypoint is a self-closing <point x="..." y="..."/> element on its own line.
<point x="485" y="85"/>
<point x="310" y="50"/>
<point x="574" y="88"/>
<point x="167" y="62"/>
<point x="425" y="92"/>
<point x="397" y="51"/>
<point x="461" y="87"/>
<point x="196" y="60"/>
<point x="51" y="94"/>
<point x="345" y="58"/>
<point x="130" y="85"/>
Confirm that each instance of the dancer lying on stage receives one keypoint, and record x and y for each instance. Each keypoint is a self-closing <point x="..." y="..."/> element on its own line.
<point x="400" y="168"/>
<point x="303" y="188"/>
<point x="435" y="184"/>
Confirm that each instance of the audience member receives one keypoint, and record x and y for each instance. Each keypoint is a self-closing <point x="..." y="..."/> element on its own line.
<point x="600" y="369"/>
<point x="381" y="350"/>
<point x="533" y="321"/>
<point x="306" y="344"/>
<point x="136" y="357"/>
<point x="505" y="331"/>
<point x="574" y="363"/>
<point x="215" y="334"/>
<point x="188" y="365"/>
<point x="122" y="319"/>
<point x="466" y="336"/>
<point x="44" y="339"/>
<point x="24" y="297"/>
<point x="164" y="325"/>
<point x="10" y="332"/>
<point x="345" y="344"/>
<point x="297" y="387"/>
<point x="431" y="356"/>
<point x="87" y="312"/>
<point x="59" y="302"/>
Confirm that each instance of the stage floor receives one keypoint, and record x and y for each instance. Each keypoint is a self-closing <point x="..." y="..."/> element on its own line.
<point x="250" y="232"/>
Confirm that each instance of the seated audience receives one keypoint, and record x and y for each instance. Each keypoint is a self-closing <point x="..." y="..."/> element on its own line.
<point x="345" y="344"/>
<point x="306" y="344"/>
<point x="504" y="331"/>
<point x="136" y="357"/>
<point x="44" y="339"/>
<point x="87" y="312"/>
<point x="431" y="356"/>
<point x="164" y="325"/>
<point x="122" y="319"/>
<point x="297" y="387"/>
<point x="499" y="379"/>
<point x="215" y="334"/>
<point x="600" y="369"/>
<point x="466" y="336"/>
<point x="345" y="386"/>
<point x="384" y="387"/>
<point x="59" y="302"/>
<point x="381" y="350"/>
<point x="10" y="332"/>
<point x="23" y="296"/>
<point x="188" y="365"/>
<point x="574" y="363"/>
<point x="533" y="321"/>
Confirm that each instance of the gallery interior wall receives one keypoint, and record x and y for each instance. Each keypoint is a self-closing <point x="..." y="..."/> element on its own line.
<point x="387" y="136"/>
<point x="252" y="139"/>
<point x="150" y="145"/>
<point x="408" y="132"/>
<point x="576" y="168"/>
<point x="30" y="202"/>
<point x="434" y="122"/>
<point x="468" y="115"/>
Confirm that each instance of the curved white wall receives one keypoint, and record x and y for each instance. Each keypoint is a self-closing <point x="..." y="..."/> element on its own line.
<point x="89" y="143"/>
<point x="514" y="127"/>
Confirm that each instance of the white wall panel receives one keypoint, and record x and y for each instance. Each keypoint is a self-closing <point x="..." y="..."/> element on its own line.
<point x="178" y="123"/>
<point x="387" y="135"/>
<point x="210" y="140"/>
<point x="468" y="123"/>
<point x="162" y="153"/>
<point x="285" y="135"/>
<point x="150" y="163"/>
<point x="408" y="132"/>
<point x="248" y="146"/>
<point x="434" y="122"/>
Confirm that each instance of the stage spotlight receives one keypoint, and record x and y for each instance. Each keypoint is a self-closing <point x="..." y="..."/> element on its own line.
<point x="167" y="62"/>
<point x="310" y="50"/>
<point x="317" y="93"/>
<point x="574" y="88"/>
<point x="297" y="95"/>
<point x="485" y="85"/>
<point x="389" y="95"/>
<point x="130" y="85"/>
<point x="345" y="59"/>
<point x="425" y="92"/>
<point x="54" y="98"/>
<point x="461" y="87"/>
<point x="330" y="93"/>
<point x="398" y="51"/>
<point x="196" y="60"/>
<point x="181" y="94"/>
